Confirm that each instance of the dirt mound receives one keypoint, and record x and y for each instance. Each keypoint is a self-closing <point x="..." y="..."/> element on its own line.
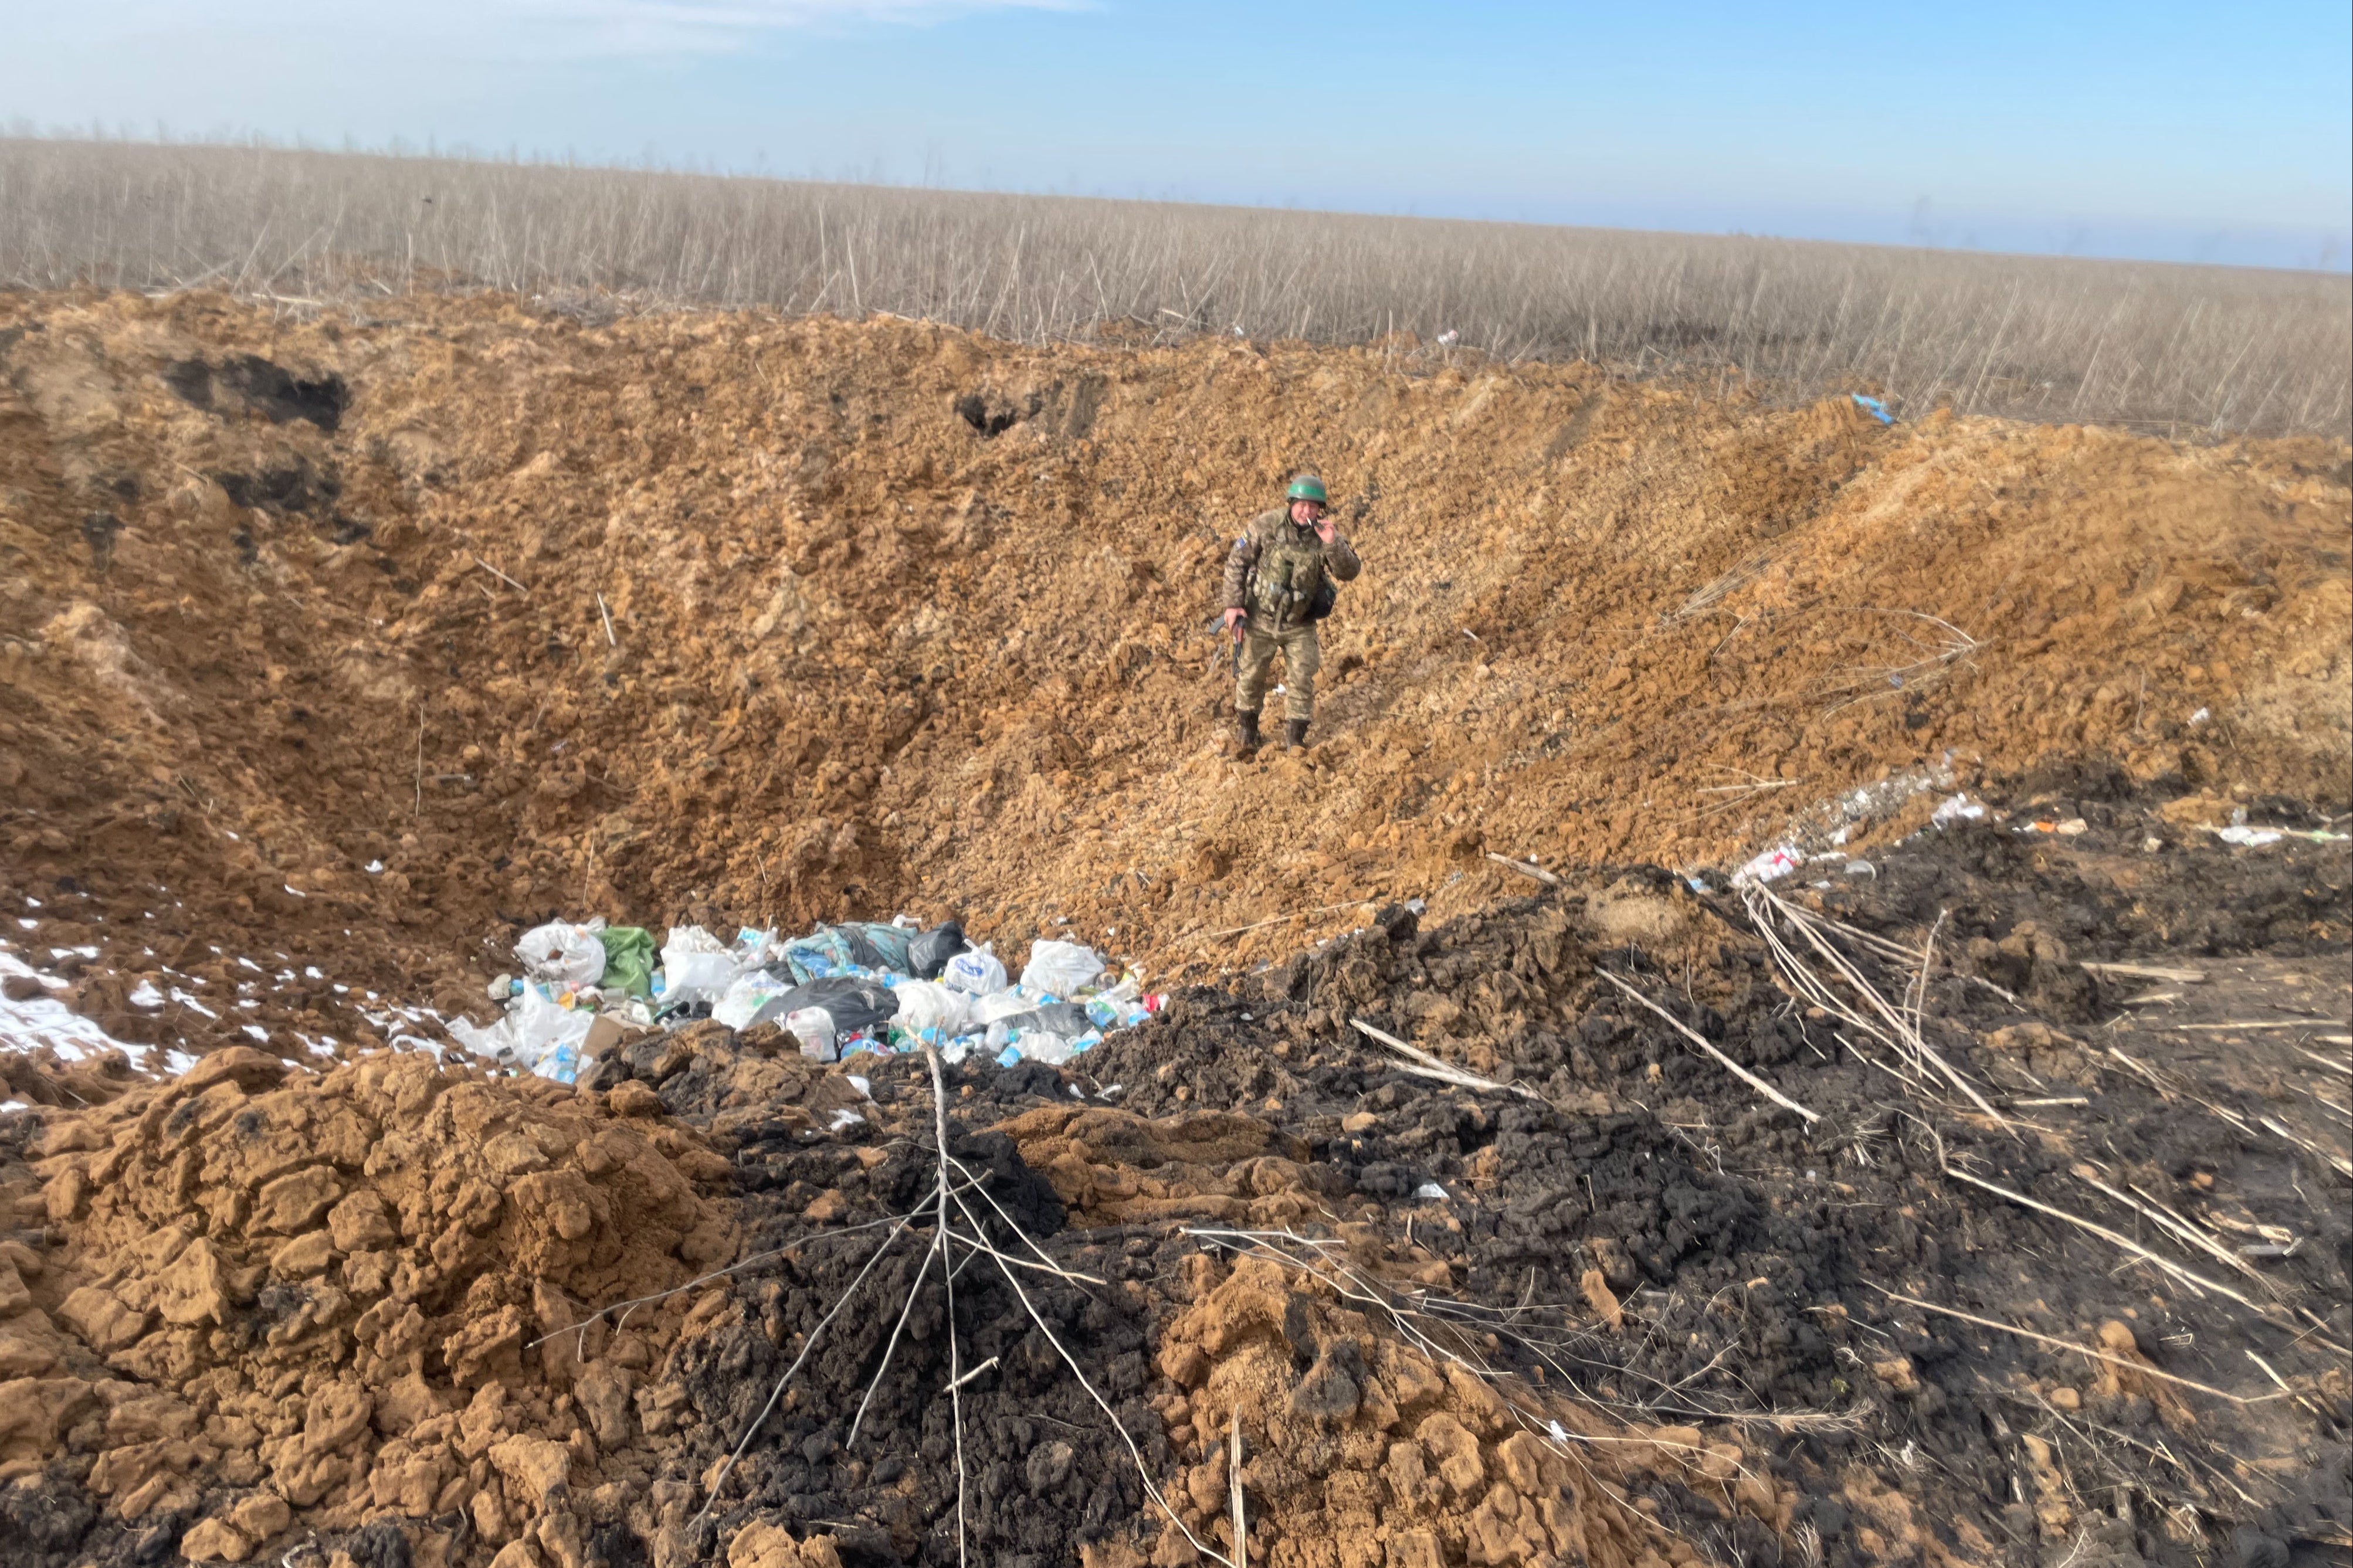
<point x="387" y="632"/>
<point x="276" y="1302"/>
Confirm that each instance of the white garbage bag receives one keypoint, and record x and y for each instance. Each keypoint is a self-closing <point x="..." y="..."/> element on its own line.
<point x="696" y="966"/>
<point x="928" y="1005"/>
<point x="975" y="972"/>
<point x="1061" y="969"/>
<point x="563" y="954"/>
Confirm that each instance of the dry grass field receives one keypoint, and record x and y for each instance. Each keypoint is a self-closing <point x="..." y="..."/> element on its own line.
<point x="2177" y="349"/>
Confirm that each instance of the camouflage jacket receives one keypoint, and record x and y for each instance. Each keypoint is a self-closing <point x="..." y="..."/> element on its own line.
<point x="1276" y="566"/>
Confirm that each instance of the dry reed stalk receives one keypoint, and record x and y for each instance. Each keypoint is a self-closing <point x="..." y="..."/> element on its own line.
<point x="2189" y="1276"/>
<point x="1422" y="1064"/>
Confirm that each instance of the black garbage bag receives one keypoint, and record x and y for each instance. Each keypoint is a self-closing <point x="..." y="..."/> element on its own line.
<point x="855" y="1004"/>
<point x="929" y="953"/>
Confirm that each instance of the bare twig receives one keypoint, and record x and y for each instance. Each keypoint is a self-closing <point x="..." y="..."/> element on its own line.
<point x="1526" y="869"/>
<point x="975" y="1371"/>
<point x="1234" y="1479"/>
<point x="501" y="575"/>
<point x="1278" y="920"/>
<point x="947" y="1281"/>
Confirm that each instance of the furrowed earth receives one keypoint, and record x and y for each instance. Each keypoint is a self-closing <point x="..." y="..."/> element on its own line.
<point x="339" y="646"/>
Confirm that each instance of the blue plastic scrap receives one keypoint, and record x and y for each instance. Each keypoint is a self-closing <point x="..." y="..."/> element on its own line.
<point x="1876" y="409"/>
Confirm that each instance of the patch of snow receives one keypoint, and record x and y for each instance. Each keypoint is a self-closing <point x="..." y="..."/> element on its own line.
<point x="257" y="1032"/>
<point x="44" y="1021"/>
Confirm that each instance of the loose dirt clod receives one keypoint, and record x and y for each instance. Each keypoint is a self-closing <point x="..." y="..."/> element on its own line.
<point x="319" y="1294"/>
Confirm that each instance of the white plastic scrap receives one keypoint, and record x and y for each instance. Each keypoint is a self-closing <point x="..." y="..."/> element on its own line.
<point x="1431" y="1191"/>
<point x="1959" y="808"/>
<point x="1770" y="866"/>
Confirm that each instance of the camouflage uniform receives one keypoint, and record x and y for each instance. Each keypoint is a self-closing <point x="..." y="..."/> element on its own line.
<point x="1291" y="564"/>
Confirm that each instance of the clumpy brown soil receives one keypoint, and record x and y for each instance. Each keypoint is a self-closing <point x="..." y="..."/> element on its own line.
<point x="905" y="618"/>
<point x="308" y="702"/>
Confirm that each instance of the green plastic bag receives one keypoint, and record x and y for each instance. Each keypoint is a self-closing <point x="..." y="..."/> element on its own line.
<point x="628" y="958"/>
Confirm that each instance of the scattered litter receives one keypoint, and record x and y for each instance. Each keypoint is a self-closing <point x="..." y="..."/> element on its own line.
<point x="1774" y="863"/>
<point x="838" y="990"/>
<point x="1874" y="407"/>
<point x="2202" y="716"/>
<point x="1431" y="1191"/>
<point x="1957" y="809"/>
<point x="1862" y="869"/>
<point x="2256" y="837"/>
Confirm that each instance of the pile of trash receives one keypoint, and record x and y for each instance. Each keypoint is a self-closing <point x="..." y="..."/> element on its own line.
<point x="859" y="987"/>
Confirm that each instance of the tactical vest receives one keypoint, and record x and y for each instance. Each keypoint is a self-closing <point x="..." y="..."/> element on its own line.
<point x="1283" y="590"/>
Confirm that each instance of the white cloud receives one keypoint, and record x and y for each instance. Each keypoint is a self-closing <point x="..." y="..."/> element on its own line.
<point x="682" y="26"/>
<point x="511" y="29"/>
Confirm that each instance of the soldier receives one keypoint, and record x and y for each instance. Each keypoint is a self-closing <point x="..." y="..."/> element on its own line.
<point x="1278" y="580"/>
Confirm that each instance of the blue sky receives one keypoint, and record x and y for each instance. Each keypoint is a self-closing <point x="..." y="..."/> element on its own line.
<point x="2171" y="132"/>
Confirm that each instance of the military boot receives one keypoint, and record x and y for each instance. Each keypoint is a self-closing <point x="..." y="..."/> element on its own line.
<point x="1294" y="735"/>
<point x="1245" y="740"/>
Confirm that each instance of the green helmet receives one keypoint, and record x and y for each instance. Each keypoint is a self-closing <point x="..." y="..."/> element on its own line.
<point x="1306" y="487"/>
